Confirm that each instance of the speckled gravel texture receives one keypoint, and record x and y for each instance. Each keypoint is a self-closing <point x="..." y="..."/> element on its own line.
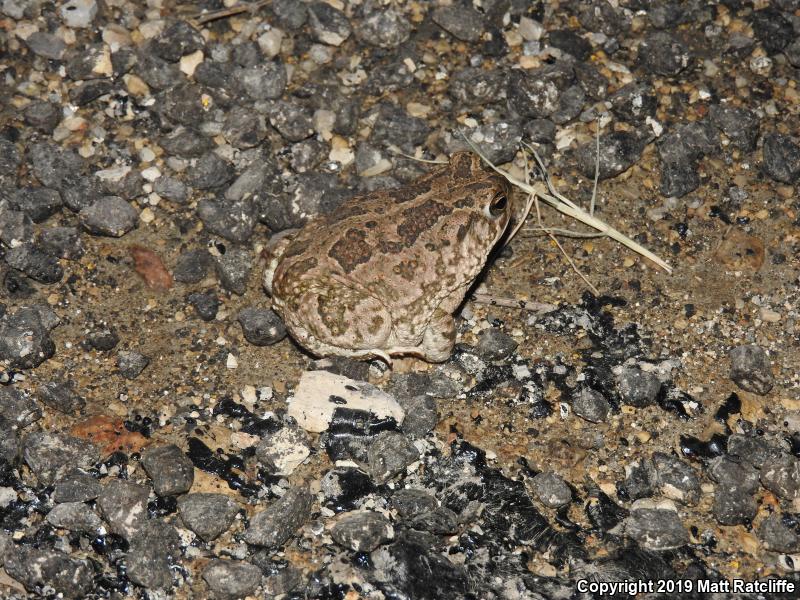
<point x="148" y="152"/>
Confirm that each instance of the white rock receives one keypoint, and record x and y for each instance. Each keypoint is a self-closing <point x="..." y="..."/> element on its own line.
<point x="7" y="496"/>
<point x="270" y="42"/>
<point x="319" y="393"/>
<point x="284" y="450"/>
<point x="78" y="13"/>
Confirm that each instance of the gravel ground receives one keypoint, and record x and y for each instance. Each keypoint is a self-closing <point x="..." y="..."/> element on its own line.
<point x="151" y="444"/>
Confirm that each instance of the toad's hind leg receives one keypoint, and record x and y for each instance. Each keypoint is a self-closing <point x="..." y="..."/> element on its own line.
<point x="439" y="337"/>
<point x="334" y="318"/>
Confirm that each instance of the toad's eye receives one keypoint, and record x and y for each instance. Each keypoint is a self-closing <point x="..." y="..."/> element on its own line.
<point x="498" y="205"/>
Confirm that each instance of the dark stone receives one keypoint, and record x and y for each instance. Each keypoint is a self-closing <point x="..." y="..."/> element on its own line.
<point x="591" y="405"/>
<point x="110" y="216"/>
<point x="439" y="521"/>
<point x="186" y="143"/>
<point x="42" y="115"/>
<point x="83" y="61"/>
<point x="204" y="304"/>
<point x="389" y="454"/>
<point x="634" y="102"/>
<point x="76" y="486"/>
<point x="750" y="369"/>
<point x="261" y="327"/>
<point x="551" y="490"/>
<point x="290" y="13"/>
<point x="395" y="126"/>
<point x="781" y="476"/>
<point x="177" y="40"/>
<point x="35" y="263"/>
<point x="754" y="450"/>
<point x="740" y="124"/>
<point x="233" y="269"/>
<point x="131" y="364"/>
<point x="61" y="396"/>
<point x="638" y="388"/>
<point x="153" y="548"/>
<point x="170" y="469"/>
<point x="292" y="121"/>
<point x="210" y="172"/>
<point x="312" y="194"/>
<point x="328" y="24"/>
<point x="663" y="54"/>
<point x="232" y="579"/>
<point x="676" y="478"/>
<point x="243" y="128"/>
<point x="535" y="94"/>
<point x="265" y="81"/>
<point x="460" y="21"/>
<point x="18" y="408"/>
<point x="781" y="158"/>
<point x="208" y="515"/>
<point x="772" y="29"/>
<point x="50" y="456"/>
<point x="39" y="568"/>
<point x="733" y="506"/>
<point x="192" y="266"/>
<point x="361" y="531"/>
<point x="232" y="220"/>
<point x="473" y="86"/>
<point x="495" y="344"/>
<point x="422" y="415"/>
<point x="273" y="526"/>
<point x="780" y="533"/>
<point x="384" y="28"/>
<point x="570" y="42"/>
<point x="171" y="189"/>
<point x="123" y="505"/>
<point x="103" y="339"/>
<point x="90" y="91"/>
<point x="679" y="178"/>
<point x="729" y="472"/>
<point x="619" y="151"/>
<point x="38" y="203"/>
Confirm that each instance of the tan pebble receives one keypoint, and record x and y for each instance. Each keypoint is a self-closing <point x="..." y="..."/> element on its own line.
<point x="147" y="215"/>
<point x="769" y="315"/>
<point x="190" y="62"/>
<point x="417" y="109"/>
<point x="628" y="262"/>
<point x="643" y="436"/>
<point x="231" y="362"/>
<point x="681" y="324"/>
<point x="785" y="191"/>
<point x="136" y="86"/>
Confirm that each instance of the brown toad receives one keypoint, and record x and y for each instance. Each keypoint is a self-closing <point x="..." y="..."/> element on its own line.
<point x="383" y="274"/>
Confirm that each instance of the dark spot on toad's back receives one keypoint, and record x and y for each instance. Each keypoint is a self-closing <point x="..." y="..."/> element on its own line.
<point x="462" y="166"/>
<point x="409" y="192"/>
<point x="406" y="269"/>
<point x="387" y="247"/>
<point x="375" y="324"/>
<point x="351" y="250"/>
<point x="420" y="218"/>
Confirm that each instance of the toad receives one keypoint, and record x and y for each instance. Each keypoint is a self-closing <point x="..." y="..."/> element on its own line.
<point x="383" y="274"/>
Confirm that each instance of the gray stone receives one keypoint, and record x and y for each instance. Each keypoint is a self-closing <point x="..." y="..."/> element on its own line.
<point x="634" y="102"/>
<point x="551" y="490"/>
<point x="78" y="13"/>
<point x="591" y="405"/>
<point x="389" y="454"/>
<point x="733" y="505"/>
<point x="153" y="548"/>
<point x="110" y="216"/>
<point x="25" y="336"/>
<point x="655" y="526"/>
<point x="328" y="24"/>
<point x="232" y="579"/>
<point x="35" y="263"/>
<point x="422" y="415"/>
<point x="779" y="533"/>
<point x="290" y="13"/>
<point x="265" y="81"/>
<point x="131" y="364"/>
<point x="261" y="327"/>
<point x="186" y="143"/>
<point x="46" y="45"/>
<point x="38" y="568"/>
<point x="638" y="388"/>
<point x="410" y="502"/>
<point x="75" y="516"/>
<point x="384" y="28"/>
<point x="243" y="128"/>
<point x="61" y="396"/>
<point x="663" y="54"/>
<point x="740" y="124"/>
<point x="676" y="479"/>
<point x="177" y="40"/>
<point x="233" y="269"/>
<point x="754" y="450"/>
<point x="440" y="521"/>
<point x="362" y="531"/>
<point x="192" y="266"/>
<point x="170" y="469"/>
<point x="731" y="472"/>
<point x="62" y="242"/>
<point x="495" y="344"/>
<point x="273" y="526"/>
<point x="76" y="486"/>
<point x="171" y="189"/>
<point x="51" y="455"/>
<point x="781" y="476"/>
<point x="781" y="158"/>
<point x="18" y="407"/>
<point x="208" y="515"/>
<point x="123" y="505"/>
<point x="87" y="62"/>
<point x="750" y="369"/>
<point x="211" y="171"/>
<point x="619" y="151"/>
<point x="42" y="115"/>
<point x="294" y="122"/>
<point x="232" y="220"/>
<point x="460" y="21"/>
